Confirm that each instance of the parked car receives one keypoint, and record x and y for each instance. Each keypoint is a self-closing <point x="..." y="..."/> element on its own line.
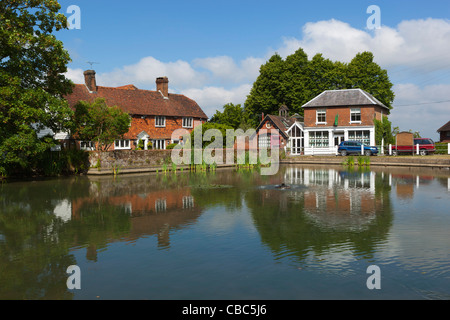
<point x="354" y="147"/>
<point x="426" y="146"/>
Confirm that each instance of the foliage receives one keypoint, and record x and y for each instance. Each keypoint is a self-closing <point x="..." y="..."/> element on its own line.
<point x="296" y="80"/>
<point x="383" y="131"/>
<point x="207" y="126"/>
<point x="32" y="82"/>
<point x="140" y="145"/>
<point x="99" y="122"/>
<point x="441" y="148"/>
<point x="171" y="146"/>
<point x="232" y="116"/>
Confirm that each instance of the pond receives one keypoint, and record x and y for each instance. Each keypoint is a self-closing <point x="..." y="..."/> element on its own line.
<point x="229" y="235"/>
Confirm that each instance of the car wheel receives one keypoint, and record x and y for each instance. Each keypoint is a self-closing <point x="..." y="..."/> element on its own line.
<point x="423" y="152"/>
<point x="394" y="152"/>
<point x="343" y="153"/>
<point x="368" y="153"/>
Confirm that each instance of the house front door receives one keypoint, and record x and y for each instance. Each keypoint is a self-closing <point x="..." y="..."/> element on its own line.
<point x="338" y="138"/>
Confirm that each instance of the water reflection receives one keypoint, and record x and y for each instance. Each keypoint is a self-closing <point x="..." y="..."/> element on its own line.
<point x="326" y="219"/>
<point x="332" y="208"/>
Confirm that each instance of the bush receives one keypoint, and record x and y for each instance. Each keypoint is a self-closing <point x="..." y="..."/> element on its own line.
<point x="441" y="148"/>
<point x="171" y="146"/>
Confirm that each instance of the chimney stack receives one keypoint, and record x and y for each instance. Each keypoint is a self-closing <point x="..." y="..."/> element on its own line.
<point x="89" y="80"/>
<point x="162" y="85"/>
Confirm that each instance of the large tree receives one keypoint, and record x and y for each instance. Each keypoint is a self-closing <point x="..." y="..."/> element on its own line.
<point x="296" y="80"/>
<point x="32" y="82"/>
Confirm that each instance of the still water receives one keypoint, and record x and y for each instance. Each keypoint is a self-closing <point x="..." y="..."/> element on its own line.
<point x="229" y="235"/>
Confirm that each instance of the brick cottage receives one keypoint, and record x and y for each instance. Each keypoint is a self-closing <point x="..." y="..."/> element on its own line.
<point x="155" y="115"/>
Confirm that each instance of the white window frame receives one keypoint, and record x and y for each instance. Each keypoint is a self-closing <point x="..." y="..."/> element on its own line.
<point x="188" y="122"/>
<point x="321" y="112"/>
<point x="87" y="145"/>
<point x="160" y="121"/>
<point x="319" y="139"/>
<point x="264" y="140"/>
<point x="123" y="144"/>
<point x="355" y="111"/>
<point x="159" y="144"/>
<point x="362" y="136"/>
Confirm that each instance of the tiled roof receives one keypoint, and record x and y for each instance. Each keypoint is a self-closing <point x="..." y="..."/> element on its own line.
<point x="139" y="102"/>
<point x="346" y="97"/>
<point x="445" y="127"/>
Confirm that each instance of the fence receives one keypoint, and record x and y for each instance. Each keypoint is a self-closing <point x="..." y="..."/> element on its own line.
<point x="441" y="148"/>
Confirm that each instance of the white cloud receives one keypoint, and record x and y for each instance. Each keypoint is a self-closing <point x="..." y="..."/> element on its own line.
<point x="419" y="44"/>
<point x="413" y="50"/>
<point x="225" y="70"/>
<point x="414" y="108"/>
<point x="76" y="75"/>
<point x="214" y="98"/>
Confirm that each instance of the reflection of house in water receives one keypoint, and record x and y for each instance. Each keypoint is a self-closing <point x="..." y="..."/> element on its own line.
<point x="322" y="207"/>
<point x="153" y="213"/>
<point x="337" y="199"/>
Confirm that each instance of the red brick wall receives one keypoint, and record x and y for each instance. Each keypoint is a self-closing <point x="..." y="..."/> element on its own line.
<point x="147" y="124"/>
<point x="368" y="113"/>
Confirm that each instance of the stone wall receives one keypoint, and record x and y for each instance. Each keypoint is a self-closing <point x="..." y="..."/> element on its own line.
<point x="129" y="158"/>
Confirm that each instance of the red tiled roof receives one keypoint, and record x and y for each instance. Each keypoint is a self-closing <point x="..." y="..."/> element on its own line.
<point x="139" y="102"/>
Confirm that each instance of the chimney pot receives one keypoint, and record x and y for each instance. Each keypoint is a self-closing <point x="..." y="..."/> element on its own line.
<point x="89" y="79"/>
<point x="162" y="85"/>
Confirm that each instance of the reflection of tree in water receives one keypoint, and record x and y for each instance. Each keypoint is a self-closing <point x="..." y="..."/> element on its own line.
<point x="34" y="254"/>
<point x="327" y="212"/>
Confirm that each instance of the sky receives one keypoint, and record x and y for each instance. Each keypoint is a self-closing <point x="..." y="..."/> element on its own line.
<point x="212" y="50"/>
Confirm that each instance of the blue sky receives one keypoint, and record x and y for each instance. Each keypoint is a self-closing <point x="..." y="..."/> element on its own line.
<point x="211" y="50"/>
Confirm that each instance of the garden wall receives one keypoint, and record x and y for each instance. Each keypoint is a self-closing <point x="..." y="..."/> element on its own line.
<point x="128" y="158"/>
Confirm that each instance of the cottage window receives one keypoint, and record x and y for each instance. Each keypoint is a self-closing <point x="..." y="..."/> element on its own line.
<point x="87" y="145"/>
<point x="122" y="144"/>
<point x="160" y="121"/>
<point x="159" y="144"/>
<point x="355" y="115"/>
<point x="187" y="122"/>
<point x="319" y="139"/>
<point x="321" y="116"/>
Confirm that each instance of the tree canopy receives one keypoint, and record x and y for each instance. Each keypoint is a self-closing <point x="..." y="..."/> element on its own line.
<point x="296" y="80"/>
<point x="32" y="82"/>
<point x="232" y="116"/>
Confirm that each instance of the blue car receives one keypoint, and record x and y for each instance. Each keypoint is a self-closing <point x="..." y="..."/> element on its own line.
<point x="354" y="147"/>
